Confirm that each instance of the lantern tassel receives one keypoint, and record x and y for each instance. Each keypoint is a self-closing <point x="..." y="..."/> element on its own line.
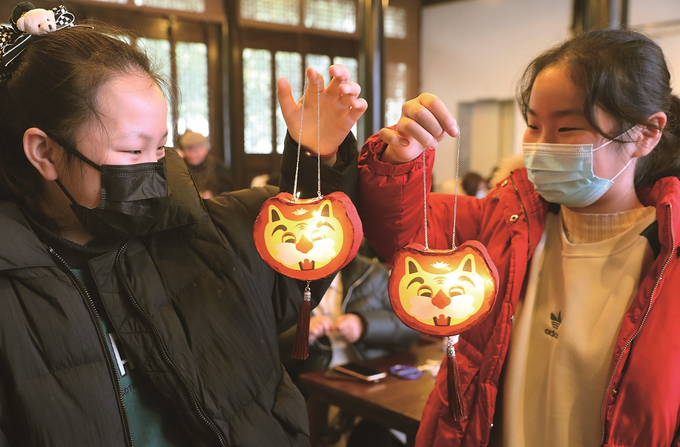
<point x="456" y="404"/>
<point x="301" y="345"/>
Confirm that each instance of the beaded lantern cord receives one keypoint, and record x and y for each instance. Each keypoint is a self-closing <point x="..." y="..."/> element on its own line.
<point x="307" y="239"/>
<point x="443" y="292"/>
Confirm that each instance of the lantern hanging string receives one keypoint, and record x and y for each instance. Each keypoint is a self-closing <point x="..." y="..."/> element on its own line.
<point x="455" y="197"/>
<point x="318" y="142"/>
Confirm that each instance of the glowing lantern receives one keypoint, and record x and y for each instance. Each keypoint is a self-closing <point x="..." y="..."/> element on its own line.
<point x="308" y="239"/>
<point x="443" y="292"/>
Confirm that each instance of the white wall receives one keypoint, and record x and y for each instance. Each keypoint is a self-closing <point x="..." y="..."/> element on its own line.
<point x="660" y="20"/>
<point x="478" y="49"/>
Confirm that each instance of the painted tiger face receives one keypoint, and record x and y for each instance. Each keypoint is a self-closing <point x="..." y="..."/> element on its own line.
<point x="307" y="239"/>
<point x="441" y="292"/>
<point x="303" y="238"/>
<point x="441" y="295"/>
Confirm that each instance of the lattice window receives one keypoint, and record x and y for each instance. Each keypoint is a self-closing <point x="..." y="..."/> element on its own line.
<point x="327" y="15"/>
<point x="257" y="95"/>
<point x="119" y="2"/>
<point x="178" y="5"/>
<point x="332" y="15"/>
<point x="192" y="78"/>
<point x="395" y="22"/>
<point x="287" y="66"/>
<point x="395" y="92"/>
<point x="158" y="51"/>
<point x="353" y="66"/>
<point x="283" y="12"/>
<point x="320" y="63"/>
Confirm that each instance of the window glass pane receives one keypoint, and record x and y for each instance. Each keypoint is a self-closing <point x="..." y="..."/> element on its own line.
<point x="158" y="51"/>
<point x="320" y="63"/>
<point x="120" y="2"/>
<point x="285" y="12"/>
<point x="333" y="15"/>
<point x="395" y="22"/>
<point x="351" y="64"/>
<point x="192" y="77"/>
<point x="353" y="67"/>
<point x="179" y="5"/>
<point x="395" y="92"/>
<point x="289" y="66"/>
<point x="257" y="101"/>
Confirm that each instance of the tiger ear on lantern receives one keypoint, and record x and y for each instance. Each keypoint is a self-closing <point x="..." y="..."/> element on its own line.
<point x="468" y="264"/>
<point x="412" y="266"/>
<point x="326" y="209"/>
<point x="274" y="214"/>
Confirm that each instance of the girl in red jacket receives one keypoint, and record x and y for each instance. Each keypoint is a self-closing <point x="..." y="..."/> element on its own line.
<point x="581" y="346"/>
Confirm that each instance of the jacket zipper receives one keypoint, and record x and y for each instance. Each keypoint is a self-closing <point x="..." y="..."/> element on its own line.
<point x="644" y="318"/>
<point x="163" y="351"/>
<point x="102" y="339"/>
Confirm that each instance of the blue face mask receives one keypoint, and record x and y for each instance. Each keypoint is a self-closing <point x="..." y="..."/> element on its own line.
<point x="563" y="173"/>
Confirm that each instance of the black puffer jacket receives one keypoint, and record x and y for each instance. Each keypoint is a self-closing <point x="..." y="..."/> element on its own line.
<point x="195" y="307"/>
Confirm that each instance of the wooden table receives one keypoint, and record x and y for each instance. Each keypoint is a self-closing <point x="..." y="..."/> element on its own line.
<point x="393" y="402"/>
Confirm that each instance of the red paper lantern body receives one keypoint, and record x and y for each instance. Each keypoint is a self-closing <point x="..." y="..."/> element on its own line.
<point x="308" y="239"/>
<point x="443" y="292"/>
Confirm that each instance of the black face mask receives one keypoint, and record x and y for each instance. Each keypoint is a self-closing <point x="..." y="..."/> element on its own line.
<point x="133" y="198"/>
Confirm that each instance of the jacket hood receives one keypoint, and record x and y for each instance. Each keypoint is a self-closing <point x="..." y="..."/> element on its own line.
<point x="21" y="248"/>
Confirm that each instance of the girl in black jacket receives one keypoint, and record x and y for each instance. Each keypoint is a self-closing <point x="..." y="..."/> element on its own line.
<point x="132" y="311"/>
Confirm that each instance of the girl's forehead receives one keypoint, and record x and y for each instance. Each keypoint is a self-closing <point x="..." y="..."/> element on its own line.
<point x="554" y="91"/>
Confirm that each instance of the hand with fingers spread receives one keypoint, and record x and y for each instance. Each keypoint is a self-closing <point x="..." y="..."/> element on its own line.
<point x="424" y="122"/>
<point x="340" y="108"/>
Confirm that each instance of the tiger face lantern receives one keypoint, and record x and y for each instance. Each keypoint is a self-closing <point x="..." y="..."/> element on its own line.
<point x="308" y="239"/>
<point x="443" y="292"/>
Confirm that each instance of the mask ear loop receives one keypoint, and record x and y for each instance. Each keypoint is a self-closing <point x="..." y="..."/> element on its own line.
<point x="611" y="141"/>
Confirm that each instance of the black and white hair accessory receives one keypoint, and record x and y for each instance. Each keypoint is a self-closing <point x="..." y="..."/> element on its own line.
<point x="15" y="38"/>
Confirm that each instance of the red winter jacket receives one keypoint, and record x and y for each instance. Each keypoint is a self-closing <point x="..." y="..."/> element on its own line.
<point x="642" y="404"/>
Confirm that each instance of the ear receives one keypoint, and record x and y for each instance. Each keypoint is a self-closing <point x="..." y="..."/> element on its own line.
<point x="326" y="208"/>
<point x="274" y="214"/>
<point x="468" y="264"/>
<point x="41" y="151"/>
<point x="412" y="266"/>
<point x="650" y="135"/>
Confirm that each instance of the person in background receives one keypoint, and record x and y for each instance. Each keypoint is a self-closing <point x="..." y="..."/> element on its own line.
<point x="474" y="185"/>
<point x="581" y="346"/>
<point x="133" y="312"/>
<point x="211" y="175"/>
<point x="353" y="322"/>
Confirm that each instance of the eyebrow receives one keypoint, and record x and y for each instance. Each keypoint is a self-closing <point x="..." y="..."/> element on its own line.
<point x="416" y="279"/>
<point x="141" y="134"/>
<point x="560" y="113"/>
<point x="280" y="227"/>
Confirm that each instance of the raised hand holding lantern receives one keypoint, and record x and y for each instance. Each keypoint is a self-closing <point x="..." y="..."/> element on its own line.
<point x="307" y="239"/>
<point x="443" y="292"/>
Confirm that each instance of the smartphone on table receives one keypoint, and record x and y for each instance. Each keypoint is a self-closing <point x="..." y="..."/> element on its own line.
<point x="361" y="371"/>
